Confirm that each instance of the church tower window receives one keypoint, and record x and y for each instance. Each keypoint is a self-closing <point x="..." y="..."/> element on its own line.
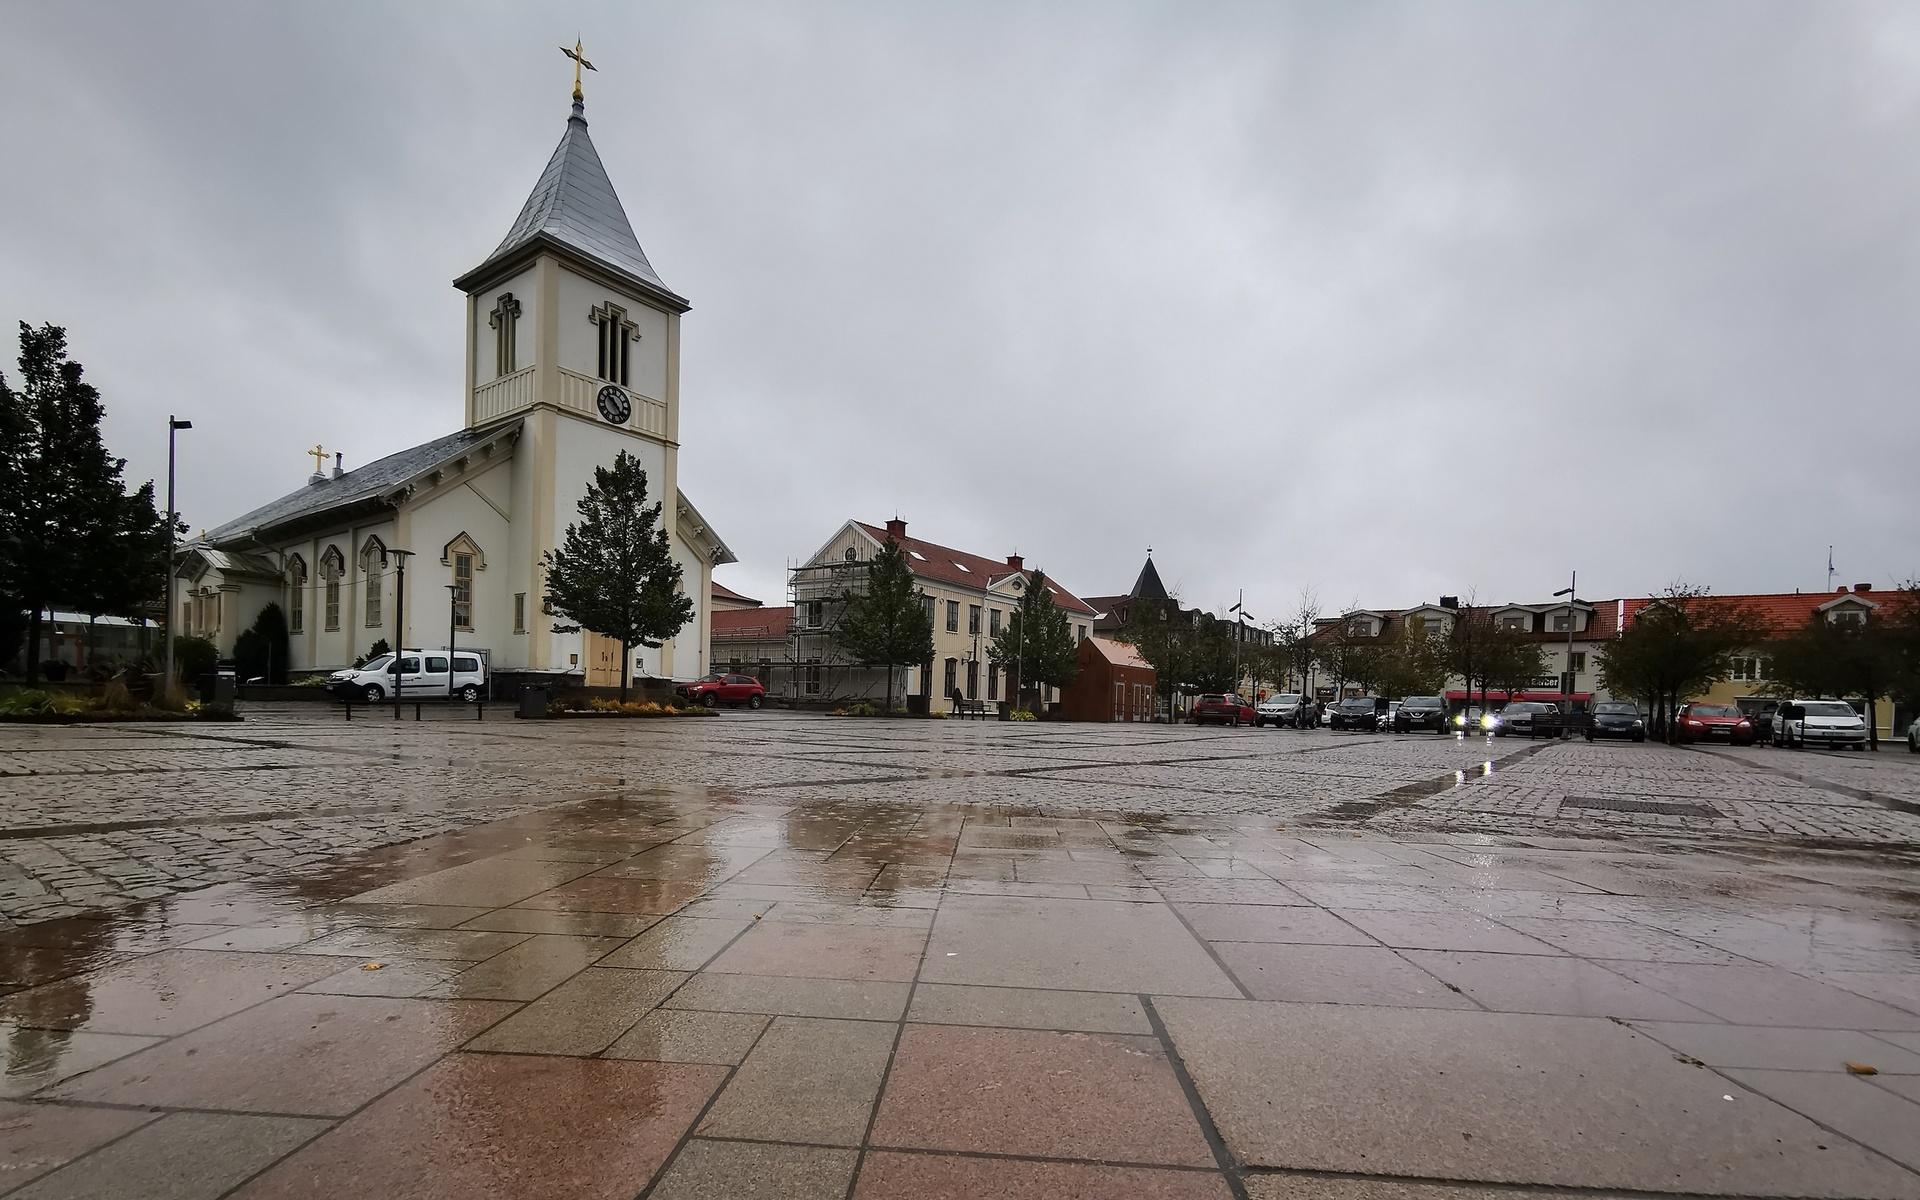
<point x="504" y="320"/>
<point x="296" y="594"/>
<point x="332" y="567"/>
<point x="464" y="556"/>
<point x="616" y="335"/>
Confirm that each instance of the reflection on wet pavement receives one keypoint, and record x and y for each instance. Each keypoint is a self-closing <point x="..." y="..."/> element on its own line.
<point x="802" y="991"/>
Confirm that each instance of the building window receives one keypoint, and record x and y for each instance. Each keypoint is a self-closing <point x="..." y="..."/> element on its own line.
<point x="186" y="617"/>
<point x="816" y="613"/>
<point x="973" y="679"/>
<point x="973" y="620"/>
<point x="1849" y="616"/>
<point x="519" y="612"/>
<point x="1515" y="623"/>
<point x="373" y="564"/>
<point x="1083" y="632"/>
<point x="1563" y="623"/>
<point x="813" y="678"/>
<point x="1579" y="660"/>
<point x="993" y="682"/>
<point x="926" y="602"/>
<point x="953" y="669"/>
<point x="1750" y="670"/>
<point x="332" y="567"/>
<point x="504" y="319"/>
<point x="296" y="594"/>
<point x="617" y="334"/>
<point x="953" y="621"/>
<point x="993" y="622"/>
<point x="463" y="590"/>
<point x="852" y="554"/>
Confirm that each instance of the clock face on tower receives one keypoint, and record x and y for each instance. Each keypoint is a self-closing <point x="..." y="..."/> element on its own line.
<point x="614" y="405"/>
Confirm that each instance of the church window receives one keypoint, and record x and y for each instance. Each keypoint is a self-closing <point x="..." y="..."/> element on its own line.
<point x="463" y="590"/>
<point x="504" y="319"/>
<point x="331" y="568"/>
<point x="296" y="594"/>
<point x="616" y="337"/>
<point x="519" y="612"/>
<point x="373" y="564"/>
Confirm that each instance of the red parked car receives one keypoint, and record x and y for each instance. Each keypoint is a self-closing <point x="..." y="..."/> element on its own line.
<point x="1227" y="709"/>
<point x="1712" y="722"/>
<point x="733" y="690"/>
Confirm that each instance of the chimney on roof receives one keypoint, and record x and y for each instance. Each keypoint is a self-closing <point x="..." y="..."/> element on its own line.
<point x="1841" y="590"/>
<point x="1862" y="587"/>
<point x="337" y="472"/>
<point x="1452" y="602"/>
<point x="1020" y="564"/>
<point x="896" y="528"/>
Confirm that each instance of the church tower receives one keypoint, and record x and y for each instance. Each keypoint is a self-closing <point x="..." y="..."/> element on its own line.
<point x="572" y="335"/>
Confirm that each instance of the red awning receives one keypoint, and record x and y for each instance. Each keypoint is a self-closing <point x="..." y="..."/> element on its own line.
<point x="1503" y="698"/>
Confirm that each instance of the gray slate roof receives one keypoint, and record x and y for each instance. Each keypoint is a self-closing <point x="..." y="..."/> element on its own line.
<point x="232" y="561"/>
<point x="360" y="484"/>
<point x="574" y="204"/>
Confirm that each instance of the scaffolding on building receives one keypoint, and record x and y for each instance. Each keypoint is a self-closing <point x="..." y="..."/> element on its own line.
<point x="817" y="669"/>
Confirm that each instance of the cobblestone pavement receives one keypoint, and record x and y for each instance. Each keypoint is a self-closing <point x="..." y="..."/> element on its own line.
<point x="105" y="817"/>
<point x="774" y="956"/>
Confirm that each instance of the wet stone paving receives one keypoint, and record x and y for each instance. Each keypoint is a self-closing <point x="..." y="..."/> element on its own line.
<point x="784" y="955"/>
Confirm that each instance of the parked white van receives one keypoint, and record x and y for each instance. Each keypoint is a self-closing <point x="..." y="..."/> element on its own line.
<point x="422" y="674"/>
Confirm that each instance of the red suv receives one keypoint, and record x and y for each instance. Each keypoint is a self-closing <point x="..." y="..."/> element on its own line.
<point x="733" y="690"/>
<point x="1227" y="709"/>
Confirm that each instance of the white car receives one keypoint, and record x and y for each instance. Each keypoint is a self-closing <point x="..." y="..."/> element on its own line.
<point x="1820" y="723"/>
<point x="419" y="673"/>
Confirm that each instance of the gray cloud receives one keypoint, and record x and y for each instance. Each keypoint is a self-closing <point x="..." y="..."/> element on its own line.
<point x="1342" y="296"/>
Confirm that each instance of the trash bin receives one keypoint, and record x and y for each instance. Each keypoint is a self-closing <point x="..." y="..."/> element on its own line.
<point x="533" y="703"/>
<point x="226" y="686"/>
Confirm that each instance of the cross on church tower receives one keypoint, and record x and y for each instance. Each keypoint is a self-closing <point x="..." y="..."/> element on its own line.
<point x="578" y="61"/>
<point x="319" y="459"/>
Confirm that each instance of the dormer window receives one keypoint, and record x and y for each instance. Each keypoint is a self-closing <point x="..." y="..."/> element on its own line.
<point x="617" y="335"/>
<point x="1848" y="616"/>
<point x="1514" y="621"/>
<point x="504" y="320"/>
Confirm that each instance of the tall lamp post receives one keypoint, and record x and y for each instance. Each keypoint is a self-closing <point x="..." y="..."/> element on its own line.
<point x="174" y="425"/>
<point x="400" y="558"/>
<point x="1566" y="687"/>
<point x="453" y="625"/>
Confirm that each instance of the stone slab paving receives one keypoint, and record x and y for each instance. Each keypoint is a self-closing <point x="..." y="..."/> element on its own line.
<point x="1007" y="961"/>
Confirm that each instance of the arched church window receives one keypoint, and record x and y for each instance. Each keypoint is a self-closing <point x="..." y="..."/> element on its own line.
<point x="373" y="565"/>
<point x="504" y="320"/>
<point x="616" y="335"/>
<point x="332" y="566"/>
<point x="296" y="594"/>
<point x="464" y="556"/>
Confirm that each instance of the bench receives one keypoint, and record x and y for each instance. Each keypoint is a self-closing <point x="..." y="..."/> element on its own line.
<point x="964" y="707"/>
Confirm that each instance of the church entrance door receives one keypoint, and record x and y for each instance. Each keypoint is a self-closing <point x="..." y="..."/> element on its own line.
<point x="603" y="661"/>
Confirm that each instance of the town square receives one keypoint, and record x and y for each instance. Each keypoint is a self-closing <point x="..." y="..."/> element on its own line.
<point x="855" y="602"/>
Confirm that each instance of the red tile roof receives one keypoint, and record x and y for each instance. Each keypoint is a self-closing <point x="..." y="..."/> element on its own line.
<point x="1781" y="612"/>
<point x="943" y="564"/>
<point x="722" y="592"/>
<point x="752" y="624"/>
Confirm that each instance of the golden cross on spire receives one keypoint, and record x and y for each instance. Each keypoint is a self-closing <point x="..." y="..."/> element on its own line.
<point x="578" y="62"/>
<point x="319" y="459"/>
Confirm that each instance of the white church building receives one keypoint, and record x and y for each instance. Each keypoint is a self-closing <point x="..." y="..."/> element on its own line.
<point x="572" y="355"/>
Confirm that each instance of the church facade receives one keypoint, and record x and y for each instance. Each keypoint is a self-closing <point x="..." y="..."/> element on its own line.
<point x="572" y="355"/>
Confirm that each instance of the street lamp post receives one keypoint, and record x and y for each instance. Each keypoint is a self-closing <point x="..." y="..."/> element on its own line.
<point x="174" y="425"/>
<point x="400" y="558"/>
<point x="1566" y="688"/>
<point x="453" y="626"/>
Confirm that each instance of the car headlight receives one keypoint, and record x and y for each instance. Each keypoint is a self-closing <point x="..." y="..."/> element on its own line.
<point x="1638" y="724"/>
<point x="1486" y="722"/>
<point x="1459" y="720"/>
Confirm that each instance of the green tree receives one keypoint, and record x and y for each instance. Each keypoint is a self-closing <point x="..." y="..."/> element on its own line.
<point x="1350" y="654"/>
<point x="261" y="651"/>
<point x="1675" y="648"/>
<point x="614" y="572"/>
<point x="1844" y="661"/>
<point x="886" y="623"/>
<point x="70" y="533"/>
<point x="1213" y="665"/>
<point x="1412" y="664"/>
<point x="1165" y="640"/>
<point x="194" y="657"/>
<point x="1036" y="645"/>
<point x="1511" y="661"/>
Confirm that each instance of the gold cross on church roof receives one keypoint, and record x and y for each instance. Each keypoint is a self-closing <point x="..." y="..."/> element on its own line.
<point x="319" y="459"/>
<point x="578" y="61"/>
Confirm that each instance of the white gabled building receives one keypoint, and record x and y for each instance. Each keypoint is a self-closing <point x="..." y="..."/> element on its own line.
<point x="572" y="355"/>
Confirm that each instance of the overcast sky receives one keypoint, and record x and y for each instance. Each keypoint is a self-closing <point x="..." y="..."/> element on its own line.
<point x="1357" y="297"/>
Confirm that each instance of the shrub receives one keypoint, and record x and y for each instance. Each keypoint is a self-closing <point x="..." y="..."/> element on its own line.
<point x="194" y="657"/>
<point x="115" y="697"/>
<point x="309" y="681"/>
<point x="1022" y="714"/>
<point x="860" y="709"/>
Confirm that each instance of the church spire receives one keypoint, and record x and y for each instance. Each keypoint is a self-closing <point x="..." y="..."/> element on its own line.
<point x="573" y="207"/>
